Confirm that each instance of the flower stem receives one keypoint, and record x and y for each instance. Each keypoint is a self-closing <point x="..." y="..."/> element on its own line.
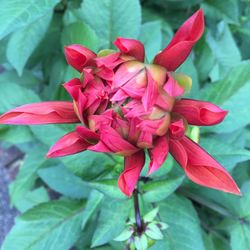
<point x="138" y="220"/>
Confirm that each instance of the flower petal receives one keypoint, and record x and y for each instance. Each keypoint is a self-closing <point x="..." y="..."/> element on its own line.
<point x="132" y="168"/>
<point x="69" y="144"/>
<point x="151" y="93"/>
<point x="200" y="167"/>
<point x="182" y="43"/>
<point x="130" y="47"/>
<point x="158" y="154"/>
<point x="111" y="141"/>
<point x="199" y="113"/>
<point x="78" y="56"/>
<point x="172" y="87"/>
<point x="41" y="113"/>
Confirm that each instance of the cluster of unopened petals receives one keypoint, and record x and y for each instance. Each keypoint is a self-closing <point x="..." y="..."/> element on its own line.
<point x="127" y="107"/>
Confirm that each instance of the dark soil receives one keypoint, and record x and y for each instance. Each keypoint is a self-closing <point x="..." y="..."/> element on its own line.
<point x="9" y="161"/>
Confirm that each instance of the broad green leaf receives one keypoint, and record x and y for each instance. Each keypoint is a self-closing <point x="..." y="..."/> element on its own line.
<point x="158" y="190"/>
<point x="12" y="95"/>
<point x="217" y="9"/>
<point x="23" y="42"/>
<point x="189" y="68"/>
<point x="240" y="236"/>
<point x="52" y="225"/>
<point x="27" y="175"/>
<point x="88" y="164"/>
<point x="220" y="91"/>
<point x="32" y="198"/>
<point x="111" y="221"/>
<point x="204" y="60"/>
<point x="94" y="200"/>
<point x="80" y="33"/>
<point x="109" y="188"/>
<point x="112" y="19"/>
<point x="15" y="134"/>
<point x="184" y="231"/>
<point x="237" y="104"/>
<point x="16" y="14"/>
<point x="239" y="109"/>
<point x="63" y="181"/>
<point x="151" y="37"/>
<point x="224" y="48"/>
<point x="227" y="154"/>
<point x="52" y="132"/>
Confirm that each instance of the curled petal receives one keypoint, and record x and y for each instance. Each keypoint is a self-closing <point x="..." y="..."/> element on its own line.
<point x="69" y="144"/>
<point x="182" y="43"/>
<point x="158" y="154"/>
<point x="130" y="47"/>
<point x="41" y="113"/>
<point x="78" y="56"/>
<point x="177" y="129"/>
<point x="172" y="87"/>
<point x="111" y="60"/>
<point x="72" y="87"/>
<point x="200" y="167"/>
<point x="199" y="113"/>
<point x="132" y="168"/>
<point x="111" y="141"/>
<point x="87" y="134"/>
<point x="151" y="93"/>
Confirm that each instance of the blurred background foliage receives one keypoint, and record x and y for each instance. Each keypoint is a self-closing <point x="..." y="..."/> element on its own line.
<point x="91" y="211"/>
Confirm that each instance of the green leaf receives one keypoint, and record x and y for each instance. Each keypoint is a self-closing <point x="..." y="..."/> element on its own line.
<point x="111" y="221"/>
<point x="227" y="10"/>
<point x="80" y="33"/>
<point x="230" y="93"/>
<point x="33" y="198"/>
<point x="27" y="175"/>
<point x="220" y="91"/>
<point x="153" y="231"/>
<point x="227" y="154"/>
<point x="225" y="49"/>
<point x="51" y="225"/>
<point x="94" y="200"/>
<point x="141" y="242"/>
<point x="23" y="42"/>
<point x="16" y="14"/>
<point x="158" y="190"/>
<point x="109" y="188"/>
<point x="88" y="164"/>
<point x="204" y="60"/>
<point x="12" y="95"/>
<point x="63" y="181"/>
<point x="151" y="37"/>
<point x="184" y="231"/>
<point x="240" y="236"/>
<point x="112" y="18"/>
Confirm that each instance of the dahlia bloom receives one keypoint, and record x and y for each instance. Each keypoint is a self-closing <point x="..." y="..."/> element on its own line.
<point x="125" y="106"/>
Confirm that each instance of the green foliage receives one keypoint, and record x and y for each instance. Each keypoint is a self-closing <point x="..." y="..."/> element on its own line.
<point x="32" y="37"/>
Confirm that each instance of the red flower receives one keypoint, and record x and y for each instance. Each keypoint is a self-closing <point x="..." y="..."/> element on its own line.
<point x="126" y="107"/>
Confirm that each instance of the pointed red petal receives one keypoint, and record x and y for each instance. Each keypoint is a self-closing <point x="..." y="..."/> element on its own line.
<point x="182" y="43"/>
<point x="41" y="113"/>
<point x="78" y="56"/>
<point x="158" y="154"/>
<point x="200" y="167"/>
<point x="132" y="168"/>
<point x="69" y="144"/>
<point x="130" y="47"/>
<point x="199" y="113"/>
